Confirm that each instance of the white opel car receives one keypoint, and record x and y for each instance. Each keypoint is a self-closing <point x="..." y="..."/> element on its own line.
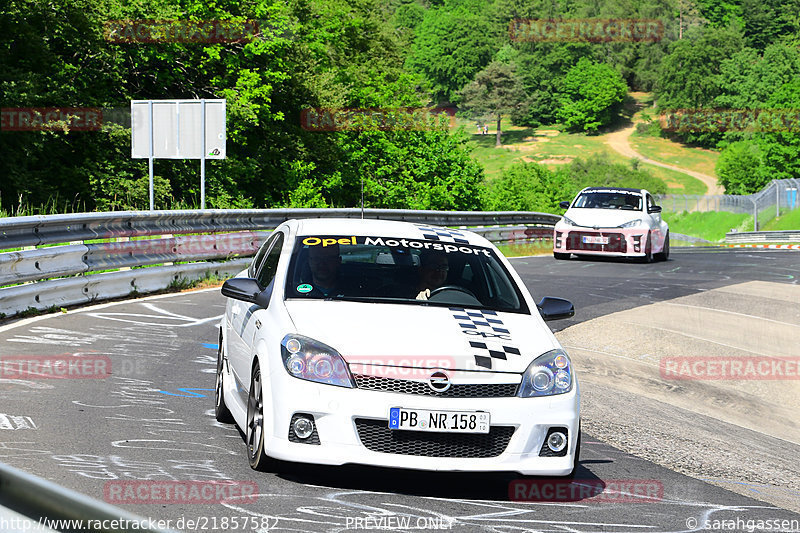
<point x="612" y="221"/>
<point x="397" y="345"/>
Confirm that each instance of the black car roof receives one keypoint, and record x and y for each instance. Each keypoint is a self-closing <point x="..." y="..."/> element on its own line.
<point x="626" y="189"/>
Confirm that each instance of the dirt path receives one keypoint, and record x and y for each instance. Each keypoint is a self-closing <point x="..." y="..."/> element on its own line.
<point x="619" y="142"/>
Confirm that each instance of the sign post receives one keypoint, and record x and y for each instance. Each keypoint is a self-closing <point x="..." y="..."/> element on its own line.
<point x="178" y="129"/>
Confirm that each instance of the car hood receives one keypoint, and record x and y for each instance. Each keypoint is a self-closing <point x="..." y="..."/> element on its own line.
<point x="603" y="218"/>
<point x="424" y="336"/>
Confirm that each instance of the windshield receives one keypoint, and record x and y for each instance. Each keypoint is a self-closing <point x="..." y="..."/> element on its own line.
<point x="398" y="270"/>
<point x="631" y="201"/>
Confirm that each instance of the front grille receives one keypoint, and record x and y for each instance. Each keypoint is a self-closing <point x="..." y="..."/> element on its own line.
<point x="616" y="242"/>
<point x="462" y="390"/>
<point x="375" y="435"/>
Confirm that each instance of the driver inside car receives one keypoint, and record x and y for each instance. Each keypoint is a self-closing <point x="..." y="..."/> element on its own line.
<point x="324" y="264"/>
<point x="433" y="268"/>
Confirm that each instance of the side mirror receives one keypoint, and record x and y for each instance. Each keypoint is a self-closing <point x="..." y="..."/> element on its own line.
<point x="563" y="205"/>
<point x="247" y="290"/>
<point x="555" y="308"/>
<point x="654" y="209"/>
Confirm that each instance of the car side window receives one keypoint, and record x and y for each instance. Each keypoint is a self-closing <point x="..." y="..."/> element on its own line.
<point x="268" y="270"/>
<point x="650" y="203"/>
<point x="259" y="257"/>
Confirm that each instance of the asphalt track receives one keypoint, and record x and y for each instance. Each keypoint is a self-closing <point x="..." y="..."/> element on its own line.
<point x="152" y="419"/>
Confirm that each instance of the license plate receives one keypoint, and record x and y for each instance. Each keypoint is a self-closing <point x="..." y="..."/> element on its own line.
<point x="594" y="239"/>
<point x="439" y="421"/>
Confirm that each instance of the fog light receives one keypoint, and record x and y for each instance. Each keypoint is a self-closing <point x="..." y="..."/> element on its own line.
<point x="557" y="441"/>
<point x="303" y="427"/>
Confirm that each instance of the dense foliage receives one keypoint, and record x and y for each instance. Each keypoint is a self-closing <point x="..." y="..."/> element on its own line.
<point x="389" y="54"/>
<point x="532" y="187"/>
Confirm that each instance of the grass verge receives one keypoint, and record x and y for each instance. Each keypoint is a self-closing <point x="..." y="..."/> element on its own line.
<point x="711" y="226"/>
<point x="542" y="247"/>
<point x="787" y="221"/>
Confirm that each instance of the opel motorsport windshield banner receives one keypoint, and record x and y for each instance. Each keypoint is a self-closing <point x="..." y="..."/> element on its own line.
<point x="448" y="248"/>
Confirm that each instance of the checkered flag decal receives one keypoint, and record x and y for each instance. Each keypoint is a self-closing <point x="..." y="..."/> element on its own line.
<point x="435" y="233"/>
<point x="495" y="340"/>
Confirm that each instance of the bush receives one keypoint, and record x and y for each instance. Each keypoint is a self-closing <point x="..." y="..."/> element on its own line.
<point x="598" y="171"/>
<point x="590" y="96"/>
<point x="740" y="168"/>
<point x="528" y="187"/>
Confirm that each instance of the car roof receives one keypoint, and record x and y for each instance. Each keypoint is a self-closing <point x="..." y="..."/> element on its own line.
<point x="614" y="189"/>
<point x="387" y="228"/>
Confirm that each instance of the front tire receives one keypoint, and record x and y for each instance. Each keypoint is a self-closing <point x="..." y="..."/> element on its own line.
<point x="560" y="256"/>
<point x="663" y="255"/>
<point x="648" y="250"/>
<point x="221" y="411"/>
<point x="255" y="423"/>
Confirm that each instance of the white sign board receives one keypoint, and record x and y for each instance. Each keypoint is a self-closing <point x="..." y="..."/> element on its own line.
<point x="177" y="129"/>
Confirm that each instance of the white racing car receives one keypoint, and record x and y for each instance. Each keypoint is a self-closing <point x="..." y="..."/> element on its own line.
<point x="397" y="345"/>
<point x="612" y="221"/>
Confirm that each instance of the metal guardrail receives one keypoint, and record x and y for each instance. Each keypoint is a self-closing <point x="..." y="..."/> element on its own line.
<point x="195" y="236"/>
<point x="27" y="497"/>
<point x="687" y="238"/>
<point x="763" y="236"/>
<point x="48" y="229"/>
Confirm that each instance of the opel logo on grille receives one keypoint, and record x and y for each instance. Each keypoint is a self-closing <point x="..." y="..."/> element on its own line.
<point x="439" y="382"/>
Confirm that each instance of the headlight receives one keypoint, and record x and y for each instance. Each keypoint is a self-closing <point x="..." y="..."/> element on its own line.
<point x="568" y="222"/>
<point x="311" y="360"/>
<point x="548" y="374"/>
<point x="632" y="223"/>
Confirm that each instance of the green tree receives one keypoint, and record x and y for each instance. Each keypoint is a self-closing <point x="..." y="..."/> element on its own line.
<point x="749" y="78"/>
<point x="590" y="95"/>
<point x="496" y="90"/>
<point x="528" y="187"/>
<point x="781" y="146"/>
<point x="740" y="168"/>
<point x="452" y="44"/>
<point x="689" y="77"/>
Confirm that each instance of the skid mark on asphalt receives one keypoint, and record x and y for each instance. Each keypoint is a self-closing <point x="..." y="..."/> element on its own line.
<point x="15" y="422"/>
<point x="160" y="317"/>
<point x="188" y="393"/>
<point x="346" y="510"/>
<point x="111" y="467"/>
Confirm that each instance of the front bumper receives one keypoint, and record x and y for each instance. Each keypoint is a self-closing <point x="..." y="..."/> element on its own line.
<point x="352" y="425"/>
<point x="619" y="242"/>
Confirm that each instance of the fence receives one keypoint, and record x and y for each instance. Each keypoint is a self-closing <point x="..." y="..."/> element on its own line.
<point x="98" y="256"/>
<point x="779" y="196"/>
